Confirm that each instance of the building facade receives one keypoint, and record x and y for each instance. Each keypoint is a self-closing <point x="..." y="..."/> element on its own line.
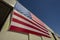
<point x="18" y="23"/>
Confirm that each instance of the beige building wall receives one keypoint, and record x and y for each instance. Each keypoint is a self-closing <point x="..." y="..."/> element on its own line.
<point x="12" y="36"/>
<point x="34" y="37"/>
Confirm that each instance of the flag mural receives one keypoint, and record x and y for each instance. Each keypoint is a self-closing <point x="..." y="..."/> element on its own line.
<point x="24" y="21"/>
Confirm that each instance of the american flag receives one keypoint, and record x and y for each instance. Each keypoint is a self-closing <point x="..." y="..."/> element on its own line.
<point x="24" y="21"/>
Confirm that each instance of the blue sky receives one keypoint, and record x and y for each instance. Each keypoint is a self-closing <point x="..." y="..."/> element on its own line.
<point x="47" y="10"/>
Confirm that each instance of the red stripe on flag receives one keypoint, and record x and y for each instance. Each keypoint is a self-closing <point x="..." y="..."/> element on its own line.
<point x="23" y="23"/>
<point x="18" y="29"/>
